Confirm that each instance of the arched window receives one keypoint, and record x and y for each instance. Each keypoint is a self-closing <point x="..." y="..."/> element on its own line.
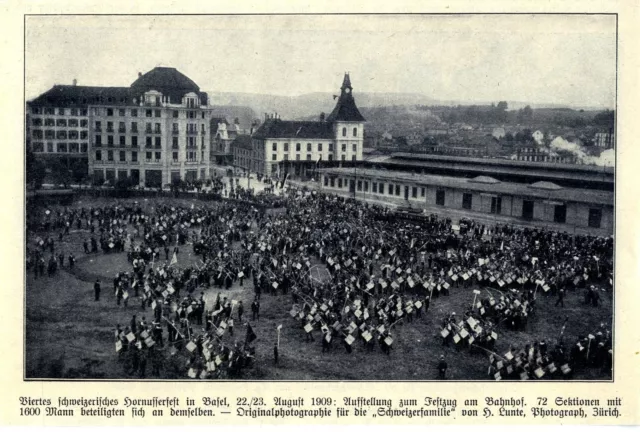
<point x="355" y="131"/>
<point x="344" y="131"/>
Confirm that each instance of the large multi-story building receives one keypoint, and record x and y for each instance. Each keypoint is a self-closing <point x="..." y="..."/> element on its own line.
<point x="153" y="132"/>
<point x="338" y="137"/>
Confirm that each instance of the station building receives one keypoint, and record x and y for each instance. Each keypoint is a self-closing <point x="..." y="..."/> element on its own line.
<point x="540" y="202"/>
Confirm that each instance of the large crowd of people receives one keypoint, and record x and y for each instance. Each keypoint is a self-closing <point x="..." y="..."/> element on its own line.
<point x="351" y="272"/>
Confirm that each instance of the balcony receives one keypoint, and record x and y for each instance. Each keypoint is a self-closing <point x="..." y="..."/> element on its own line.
<point x="110" y="130"/>
<point x="99" y="130"/>
<point x="175" y="132"/>
<point x="135" y="131"/>
<point x="122" y="130"/>
<point x="192" y="132"/>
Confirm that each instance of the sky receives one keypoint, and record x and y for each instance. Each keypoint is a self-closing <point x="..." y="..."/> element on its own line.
<point x="551" y="59"/>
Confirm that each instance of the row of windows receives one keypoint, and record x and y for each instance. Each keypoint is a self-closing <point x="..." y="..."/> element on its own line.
<point x="48" y="121"/>
<point x="60" y="111"/>
<point x="38" y="147"/>
<point x="274" y="157"/>
<point x="344" y="131"/>
<point x="191" y="156"/>
<point x="122" y="112"/>
<point x="51" y="134"/>
<point x="192" y="128"/>
<point x="274" y="147"/>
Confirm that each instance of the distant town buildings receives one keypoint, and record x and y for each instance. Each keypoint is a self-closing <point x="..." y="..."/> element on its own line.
<point x="604" y="140"/>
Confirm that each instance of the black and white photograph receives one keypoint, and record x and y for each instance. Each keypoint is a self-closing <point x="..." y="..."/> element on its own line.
<point x="320" y="197"/>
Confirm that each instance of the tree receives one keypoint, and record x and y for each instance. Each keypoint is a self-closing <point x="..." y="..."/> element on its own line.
<point x="35" y="170"/>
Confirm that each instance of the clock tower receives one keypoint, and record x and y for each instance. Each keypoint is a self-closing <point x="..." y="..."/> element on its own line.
<point x="348" y="124"/>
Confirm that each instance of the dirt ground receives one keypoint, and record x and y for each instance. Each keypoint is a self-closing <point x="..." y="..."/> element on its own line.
<point x="68" y="334"/>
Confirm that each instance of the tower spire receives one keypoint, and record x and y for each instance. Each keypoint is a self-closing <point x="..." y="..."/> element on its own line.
<point x="346" y="82"/>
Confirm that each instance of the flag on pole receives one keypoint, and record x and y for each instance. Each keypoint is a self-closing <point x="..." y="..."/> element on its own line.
<point x="284" y="179"/>
<point x="174" y="259"/>
<point x="251" y="335"/>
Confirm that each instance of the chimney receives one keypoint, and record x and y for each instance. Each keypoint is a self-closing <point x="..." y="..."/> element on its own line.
<point x="321" y="116"/>
<point x="75" y="82"/>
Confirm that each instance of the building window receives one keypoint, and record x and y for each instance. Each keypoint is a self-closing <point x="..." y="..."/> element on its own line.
<point x="333" y="181"/>
<point x="84" y="123"/>
<point x="297" y="146"/>
<point x="134" y="156"/>
<point x="158" y="154"/>
<point x="174" y="144"/>
<point x="344" y="147"/>
<point x="390" y="189"/>
<point x="297" y="157"/>
<point x="340" y="183"/>
<point x="37" y="147"/>
<point x="344" y="157"/>
<point x="37" y="134"/>
<point x="121" y="127"/>
<point x="330" y="147"/>
<point x="560" y="213"/>
<point x="176" y="113"/>
<point x="175" y="156"/>
<point x="109" y="126"/>
<point x="98" y="140"/>
<point x="414" y="192"/>
<point x="344" y="131"/>
<point x="158" y="142"/>
<point x="274" y="147"/>
<point x="134" y="113"/>
<point x="148" y="142"/>
<point x="110" y="140"/>
<point x="527" y="209"/>
<point x="134" y="141"/>
<point x="440" y="197"/>
<point x="286" y="147"/>
<point x="423" y="192"/>
<point x="148" y="113"/>
<point x="308" y="147"/>
<point x="467" y="200"/>
<point x="354" y="148"/>
<point x="110" y="155"/>
<point x="36" y="122"/>
<point x="49" y="122"/>
<point x="359" y="185"/>
<point x="308" y="157"/>
<point x="122" y="140"/>
<point x="121" y="112"/>
<point x="50" y="147"/>
<point x="326" y="181"/>
<point x="50" y="134"/>
<point x="397" y="190"/>
<point x="109" y="112"/>
<point x="148" y="155"/>
<point x="49" y="111"/>
<point x="123" y="158"/>
<point x="61" y="134"/>
<point x="319" y="147"/>
<point x="157" y="128"/>
<point x="61" y="123"/>
<point x="73" y="123"/>
<point x="157" y="113"/>
<point x="274" y="156"/>
<point x="61" y="111"/>
<point x="98" y="155"/>
<point x="355" y="131"/>
<point x="595" y="217"/>
<point x="353" y="157"/>
<point x="62" y="148"/>
<point x="496" y="205"/>
<point x="134" y="127"/>
<point x="374" y="187"/>
<point x="330" y="157"/>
